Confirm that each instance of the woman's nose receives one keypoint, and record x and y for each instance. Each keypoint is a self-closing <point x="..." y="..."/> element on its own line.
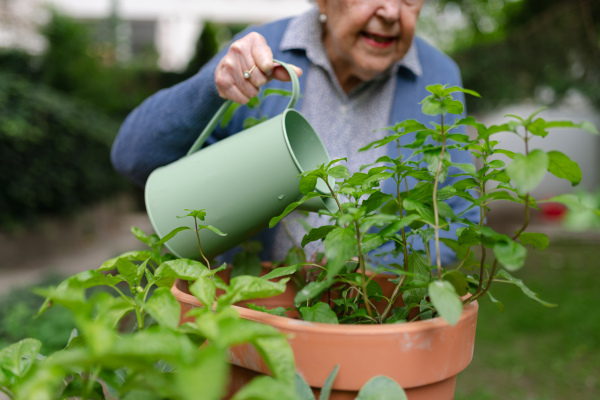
<point x="389" y="10"/>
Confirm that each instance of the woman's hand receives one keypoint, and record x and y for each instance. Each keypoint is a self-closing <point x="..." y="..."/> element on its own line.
<point x="243" y="54"/>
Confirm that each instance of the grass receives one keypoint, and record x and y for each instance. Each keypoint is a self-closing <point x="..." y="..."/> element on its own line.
<point x="531" y="352"/>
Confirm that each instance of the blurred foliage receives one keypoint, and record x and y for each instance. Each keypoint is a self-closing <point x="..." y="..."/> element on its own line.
<point x="60" y="112"/>
<point x="18" y="308"/>
<point x="54" y="152"/>
<point x="74" y="65"/>
<point x="510" y="50"/>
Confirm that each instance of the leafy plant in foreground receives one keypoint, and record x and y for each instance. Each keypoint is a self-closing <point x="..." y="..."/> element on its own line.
<point x="156" y="358"/>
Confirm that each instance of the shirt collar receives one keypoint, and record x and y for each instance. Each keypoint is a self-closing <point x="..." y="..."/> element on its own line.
<point x="304" y="33"/>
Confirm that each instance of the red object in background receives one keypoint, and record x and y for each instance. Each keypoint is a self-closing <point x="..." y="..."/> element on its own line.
<point x="553" y="211"/>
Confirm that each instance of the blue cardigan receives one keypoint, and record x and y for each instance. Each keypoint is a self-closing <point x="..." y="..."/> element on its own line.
<point x="163" y="128"/>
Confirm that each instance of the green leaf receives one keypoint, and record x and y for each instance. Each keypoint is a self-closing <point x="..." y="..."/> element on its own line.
<point x="458" y="281"/>
<point x="164" y="308"/>
<point x="496" y="302"/>
<point x="279" y="311"/>
<point x="291" y="207"/>
<point x="585" y="125"/>
<point x="371" y="241"/>
<point x="419" y="267"/>
<point x="246" y="263"/>
<point x="212" y="228"/>
<point x="537" y="240"/>
<point x="250" y="287"/>
<point x="303" y="390"/>
<point x="91" y="278"/>
<point x="446" y="301"/>
<point x="142" y="255"/>
<point x="281" y="271"/>
<point x="394" y="227"/>
<point x="519" y="283"/>
<point x="310" y="291"/>
<point x="453" y="89"/>
<point x="111" y="309"/>
<point x="132" y="273"/>
<point x="265" y="388"/>
<point x="340" y="246"/>
<point x="19" y="357"/>
<point x="229" y="114"/>
<point x="295" y="255"/>
<point x="78" y="387"/>
<point x="381" y="388"/>
<point x="172" y="234"/>
<point x="326" y="389"/>
<point x="424" y="210"/>
<point x="142" y="237"/>
<point x="496" y="164"/>
<point x="212" y="366"/>
<point x="308" y="183"/>
<point x="375" y="200"/>
<point x="181" y="268"/>
<point x="249" y="122"/>
<point x="200" y="214"/>
<point x="468" y="237"/>
<point x="205" y="290"/>
<point x="510" y="254"/>
<point x="277" y="354"/>
<point x="318" y="233"/>
<point x="319" y="312"/>
<point x="526" y="172"/>
<point x="339" y="172"/>
<point x="562" y="167"/>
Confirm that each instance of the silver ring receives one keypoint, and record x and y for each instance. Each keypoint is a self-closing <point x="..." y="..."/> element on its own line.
<point x="248" y="73"/>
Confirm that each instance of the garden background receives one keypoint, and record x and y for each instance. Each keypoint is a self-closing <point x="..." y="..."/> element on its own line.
<point x="63" y="209"/>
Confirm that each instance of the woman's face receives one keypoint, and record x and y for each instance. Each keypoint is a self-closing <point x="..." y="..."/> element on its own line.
<point x="365" y="37"/>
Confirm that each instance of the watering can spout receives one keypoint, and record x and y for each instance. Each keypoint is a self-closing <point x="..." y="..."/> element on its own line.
<point x="256" y="179"/>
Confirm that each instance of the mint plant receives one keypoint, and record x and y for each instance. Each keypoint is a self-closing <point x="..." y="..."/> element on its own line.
<point x="368" y="218"/>
<point x="153" y="358"/>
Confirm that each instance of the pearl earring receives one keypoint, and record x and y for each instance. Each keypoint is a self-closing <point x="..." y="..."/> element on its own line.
<point x="322" y="18"/>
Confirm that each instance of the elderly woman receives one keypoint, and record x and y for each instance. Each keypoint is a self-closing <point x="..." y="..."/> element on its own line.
<point x="360" y="68"/>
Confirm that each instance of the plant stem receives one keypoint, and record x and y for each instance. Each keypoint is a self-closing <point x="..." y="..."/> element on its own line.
<point x="199" y="246"/>
<point x="334" y="196"/>
<point x="487" y="287"/>
<point x="435" y="206"/>
<point x="481" y="268"/>
<point x="90" y="381"/>
<point x="393" y="298"/>
<point x="361" y="266"/>
<point x="396" y="291"/>
<point x="7" y="392"/>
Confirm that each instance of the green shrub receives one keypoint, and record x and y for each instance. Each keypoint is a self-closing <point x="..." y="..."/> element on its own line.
<point x="17" y="311"/>
<point x="54" y="152"/>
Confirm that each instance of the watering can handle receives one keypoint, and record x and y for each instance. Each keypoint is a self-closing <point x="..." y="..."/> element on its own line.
<point x="219" y="114"/>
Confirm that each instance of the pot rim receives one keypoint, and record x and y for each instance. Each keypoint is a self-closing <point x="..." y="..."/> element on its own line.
<point x="294" y="325"/>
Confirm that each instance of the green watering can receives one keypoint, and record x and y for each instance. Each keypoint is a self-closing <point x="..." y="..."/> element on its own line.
<point x="241" y="182"/>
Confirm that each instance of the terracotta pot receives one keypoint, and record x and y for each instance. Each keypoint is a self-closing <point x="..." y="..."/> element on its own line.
<point x="424" y="357"/>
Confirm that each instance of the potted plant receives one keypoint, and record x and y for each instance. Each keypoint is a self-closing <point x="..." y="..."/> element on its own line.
<point x="421" y="332"/>
<point x="129" y="342"/>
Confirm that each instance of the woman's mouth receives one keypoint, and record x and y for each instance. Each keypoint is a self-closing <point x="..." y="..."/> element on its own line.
<point x="377" y="40"/>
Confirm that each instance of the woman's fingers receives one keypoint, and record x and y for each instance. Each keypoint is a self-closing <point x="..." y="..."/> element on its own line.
<point x="253" y="55"/>
<point x="281" y="73"/>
